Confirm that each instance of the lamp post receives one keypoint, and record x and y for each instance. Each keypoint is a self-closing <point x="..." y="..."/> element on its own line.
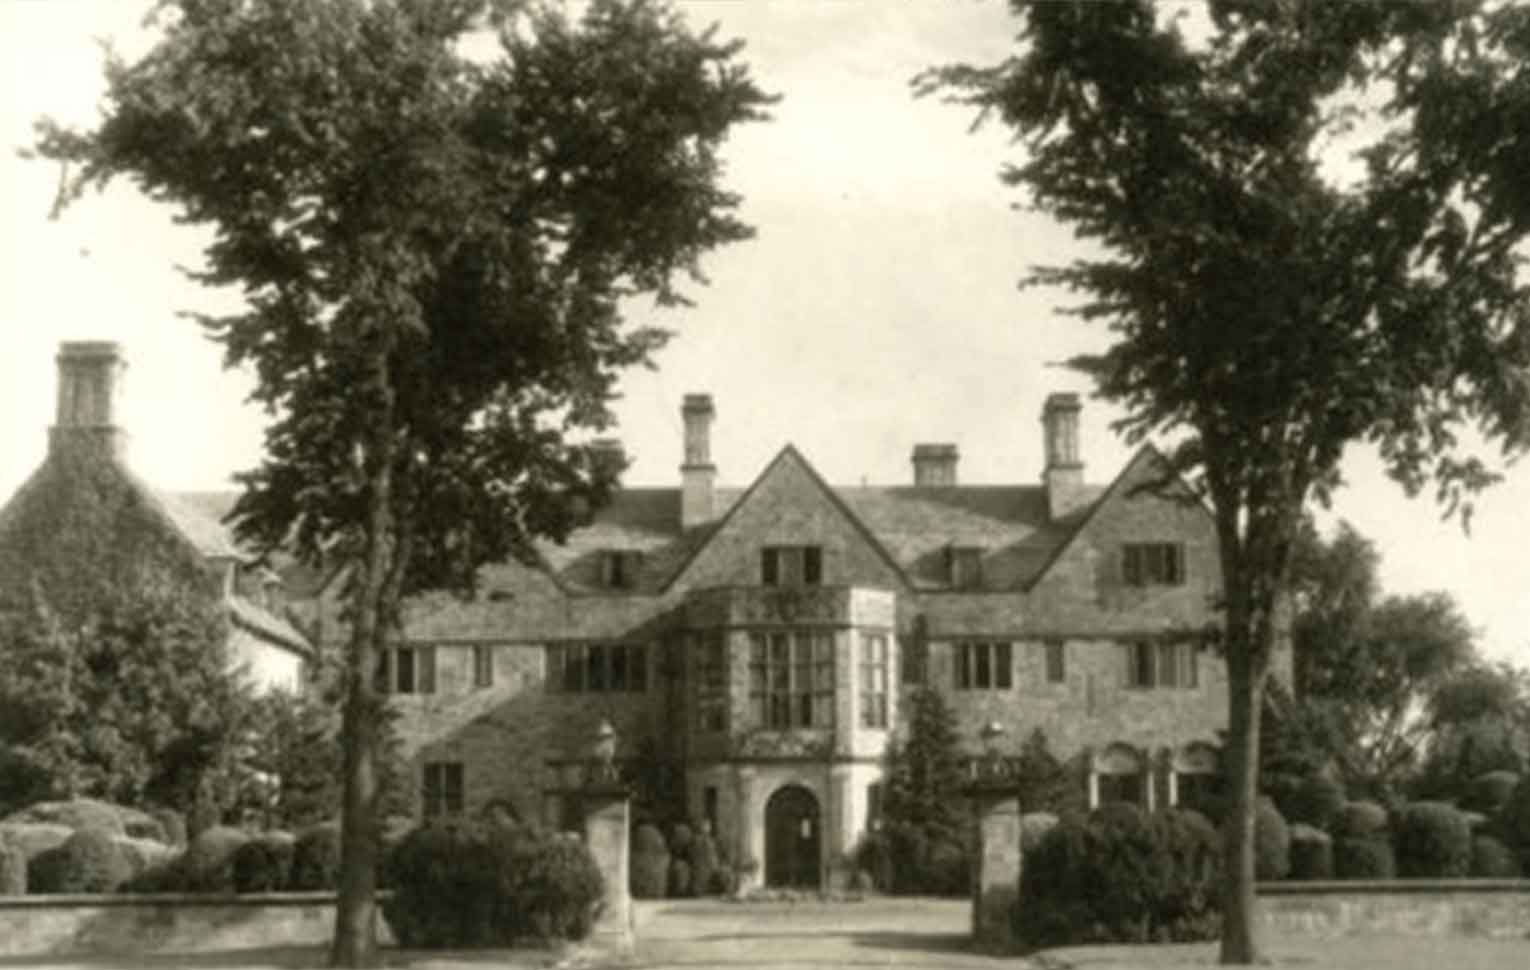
<point x="601" y="768"/>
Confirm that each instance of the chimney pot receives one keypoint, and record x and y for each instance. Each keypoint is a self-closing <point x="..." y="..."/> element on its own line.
<point x="1063" y="475"/>
<point x="698" y="476"/>
<point x="89" y="380"/>
<point x="935" y="464"/>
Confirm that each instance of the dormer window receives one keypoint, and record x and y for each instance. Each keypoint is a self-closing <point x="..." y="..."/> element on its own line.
<point x="619" y="568"/>
<point x="1153" y="564"/>
<point x="964" y="566"/>
<point x="791" y="566"/>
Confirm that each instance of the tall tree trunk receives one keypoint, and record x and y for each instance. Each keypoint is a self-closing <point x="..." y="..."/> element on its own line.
<point x="1246" y="666"/>
<point x="355" y="940"/>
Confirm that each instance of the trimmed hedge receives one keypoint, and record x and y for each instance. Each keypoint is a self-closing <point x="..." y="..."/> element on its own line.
<point x="172" y="824"/>
<point x="1491" y="859"/>
<point x="1311" y="853"/>
<point x="1033" y="828"/>
<point x="470" y="885"/>
<point x="1432" y="840"/>
<point x="1364" y="858"/>
<point x="76" y="814"/>
<point x="88" y="862"/>
<point x="316" y="858"/>
<point x="1118" y="876"/>
<point x="1514" y="817"/>
<point x="703" y="860"/>
<point x="680" y="879"/>
<point x="208" y="865"/>
<point x="263" y="865"/>
<point x="1317" y="801"/>
<point x="13" y="871"/>
<point x="31" y="838"/>
<point x="1488" y="793"/>
<point x="1272" y="841"/>
<point x="649" y="866"/>
<point x="1360" y="819"/>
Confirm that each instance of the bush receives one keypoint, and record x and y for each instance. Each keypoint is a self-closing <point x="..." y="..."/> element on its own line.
<point x="1491" y="859"/>
<point x="1364" y="858"/>
<point x="1432" y="840"/>
<point x="172" y="824"/>
<point x="208" y="865"/>
<point x="1311" y="853"/>
<point x="679" y="878"/>
<point x="13" y="871"/>
<point x="1033" y="827"/>
<point x="88" y="862"/>
<point x="1272" y="842"/>
<point x="263" y="865"/>
<point x="76" y="814"/>
<point x="1317" y="801"/>
<point x="1488" y="793"/>
<point x="1360" y="819"/>
<point x="31" y="838"/>
<point x="703" y="860"/>
<point x="649" y="875"/>
<point x="1514" y="817"/>
<point x="1118" y="876"/>
<point x="471" y="885"/>
<point x="562" y="889"/>
<point x="143" y="854"/>
<point x="316" y="858"/>
<point x="680" y="838"/>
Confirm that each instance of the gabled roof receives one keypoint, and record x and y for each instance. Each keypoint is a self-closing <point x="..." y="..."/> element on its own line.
<point x="1081" y="519"/>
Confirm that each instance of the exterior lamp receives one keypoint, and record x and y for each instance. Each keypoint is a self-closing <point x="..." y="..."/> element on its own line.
<point x="603" y="754"/>
<point x="992" y="735"/>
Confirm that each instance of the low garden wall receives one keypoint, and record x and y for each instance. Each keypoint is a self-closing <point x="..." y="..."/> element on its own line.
<point x="170" y="922"/>
<point x="1498" y="908"/>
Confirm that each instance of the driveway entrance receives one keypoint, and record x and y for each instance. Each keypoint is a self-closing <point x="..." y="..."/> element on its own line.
<point x="792" y="839"/>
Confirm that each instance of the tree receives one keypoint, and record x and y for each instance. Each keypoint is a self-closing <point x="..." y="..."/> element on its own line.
<point x="925" y="772"/>
<point x="434" y="254"/>
<point x="1368" y="666"/>
<point x="1268" y="308"/>
<point x="298" y="756"/>
<point x="1478" y="722"/>
<point x="133" y="703"/>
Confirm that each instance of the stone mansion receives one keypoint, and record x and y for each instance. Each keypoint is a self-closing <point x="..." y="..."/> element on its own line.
<point x="766" y="638"/>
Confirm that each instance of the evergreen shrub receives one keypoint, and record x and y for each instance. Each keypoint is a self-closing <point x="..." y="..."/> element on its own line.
<point x="1317" y="801"/>
<point x="1360" y="819"/>
<point x="649" y="866"/>
<point x="75" y="814"/>
<point x="13" y="871"/>
<point x="1491" y="859"/>
<point x="1432" y="840"/>
<point x="1272" y="842"/>
<point x="208" y="865"/>
<point x="172" y="824"/>
<point x="703" y="860"/>
<point x="1368" y="857"/>
<point x="1311" y="852"/>
<point x="1119" y="876"/>
<point x="1489" y="792"/>
<point x="316" y="858"/>
<point x="1514" y="817"/>
<point x="263" y="865"/>
<point x="471" y="885"/>
<point x="88" y="862"/>
<point x="680" y="838"/>
<point x="679" y="878"/>
<point x="1033" y="828"/>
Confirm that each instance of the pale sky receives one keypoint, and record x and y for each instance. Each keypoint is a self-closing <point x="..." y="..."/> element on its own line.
<point x="877" y="308"/>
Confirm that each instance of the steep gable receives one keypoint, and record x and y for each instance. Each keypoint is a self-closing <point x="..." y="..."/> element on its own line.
<point x="1086" y="582"/>
<point x="790" y="505"/>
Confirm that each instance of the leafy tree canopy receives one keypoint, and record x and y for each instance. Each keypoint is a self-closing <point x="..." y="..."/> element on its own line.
<point x="434" y="253"/>
<point x="1267" y="308"/>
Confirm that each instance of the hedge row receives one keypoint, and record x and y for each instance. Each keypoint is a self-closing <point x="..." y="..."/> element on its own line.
<point x="687" y="864"/>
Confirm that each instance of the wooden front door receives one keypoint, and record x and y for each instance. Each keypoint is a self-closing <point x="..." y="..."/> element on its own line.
<point x="791" y="839"/>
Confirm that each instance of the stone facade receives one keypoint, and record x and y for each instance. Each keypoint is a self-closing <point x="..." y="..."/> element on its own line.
<point x="773" y="640"/>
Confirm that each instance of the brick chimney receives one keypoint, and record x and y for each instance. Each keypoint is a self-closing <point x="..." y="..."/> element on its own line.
<point x="698" y="476"/>
<point x="1064" y="472"/>
<point x="935" y="464"/>
<point x="89" y="378"/>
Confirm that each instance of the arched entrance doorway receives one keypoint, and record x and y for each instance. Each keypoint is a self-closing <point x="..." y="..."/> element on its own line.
<point x="791" y="839"/>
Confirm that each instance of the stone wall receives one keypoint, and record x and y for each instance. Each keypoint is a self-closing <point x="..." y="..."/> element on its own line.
<point x="58" y="925"/>
<point x="1495" y="908"/>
